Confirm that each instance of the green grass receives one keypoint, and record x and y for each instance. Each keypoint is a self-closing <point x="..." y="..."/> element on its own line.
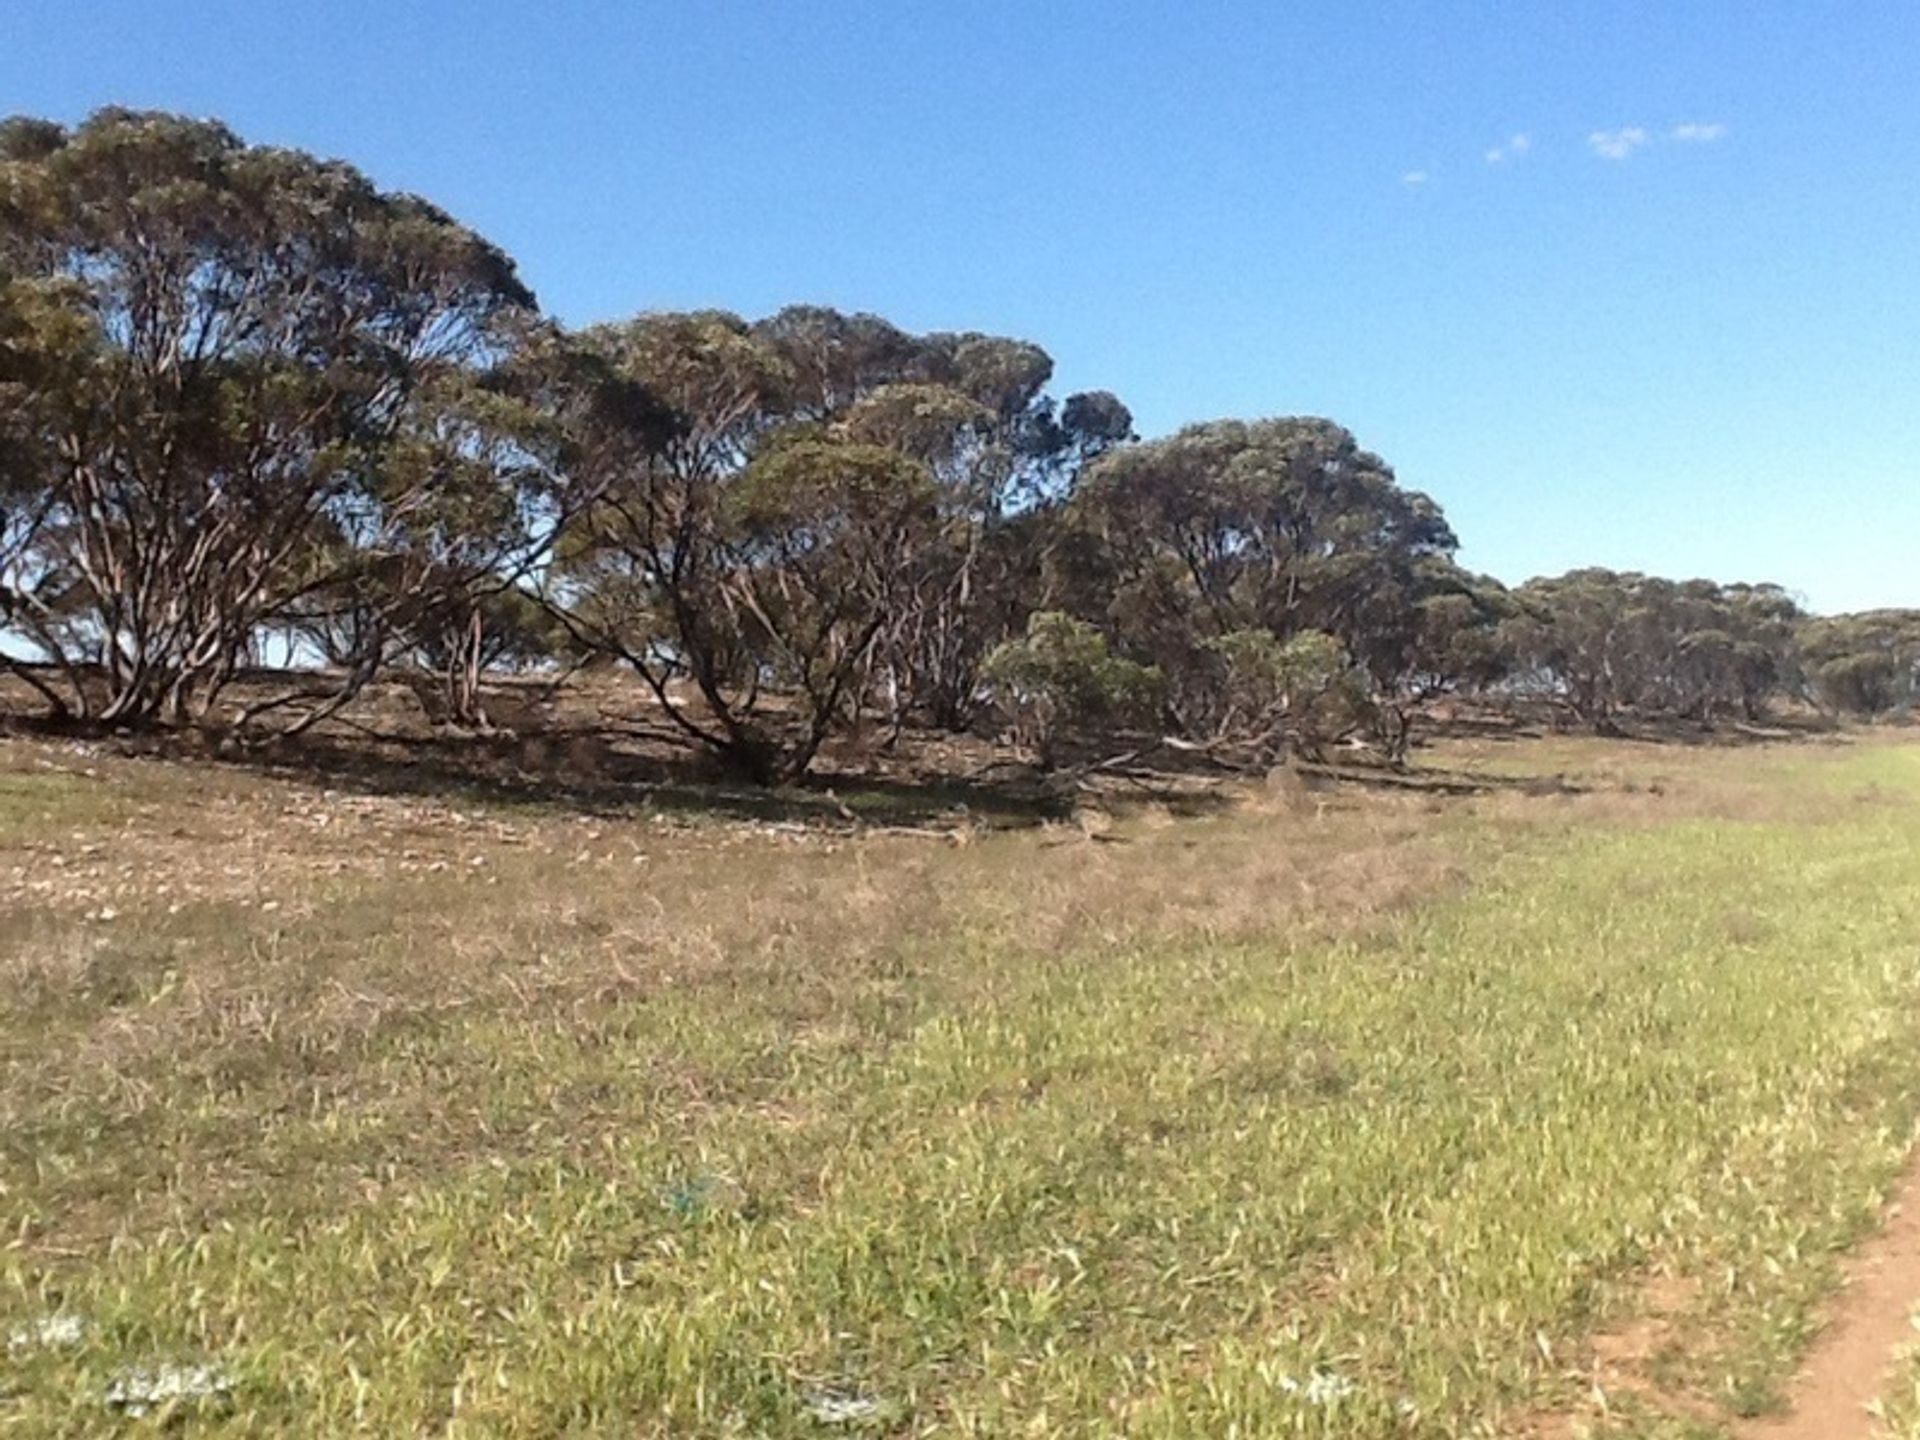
<point x="1900" y="1411"/>
<point x="924" y="1130"/>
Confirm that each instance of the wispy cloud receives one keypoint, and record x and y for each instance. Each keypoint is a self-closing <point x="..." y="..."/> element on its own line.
<point x="1414" y="177"/>
<point x="1515" y="147"/>
<point x="1617" y="144"/>
<point x="1699" y="134"/>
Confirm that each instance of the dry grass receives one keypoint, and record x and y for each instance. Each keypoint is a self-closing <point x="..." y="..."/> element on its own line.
<point x="209" y="927"/>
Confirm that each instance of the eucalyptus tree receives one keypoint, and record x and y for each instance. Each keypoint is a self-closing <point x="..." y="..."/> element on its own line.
<point x="241" y="359"/>
<point x="1439" y="630"/>
<point x="1271" y="698"/>
<point x="828" y="512"/>
<point x="1607" y="643"/>
<point x="954" y="584"/>
<point x="1280" y="526"/>
<point x="825" y="527"/>
<point x="831" y="359"/>
<point x="1739" y="652"/>
<point x="40" y="344"/>
<point x="640" y="574"/>
<point x="1577" y="636"/>
<point x="487" y="631"/>
<point x="437" y="561"/>
<point x="1004" y="455"/>
<point x="747" y="547"/>
<point x="1865" y="664"/>
<point x="1455" y="640"/>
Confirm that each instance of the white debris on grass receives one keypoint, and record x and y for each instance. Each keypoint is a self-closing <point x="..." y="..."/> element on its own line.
<point x="139" y="1390"/>
<point x="831" y="1407"/>
<point x="49" y="1332"/>
<point x="1322" y="1387"/>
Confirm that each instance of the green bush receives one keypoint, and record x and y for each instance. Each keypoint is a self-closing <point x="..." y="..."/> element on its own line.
<point x="1061" y="682"/>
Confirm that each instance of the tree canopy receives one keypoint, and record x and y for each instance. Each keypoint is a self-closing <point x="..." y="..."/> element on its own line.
<point x="250" y="378"/>
<point x="251" y="403"/>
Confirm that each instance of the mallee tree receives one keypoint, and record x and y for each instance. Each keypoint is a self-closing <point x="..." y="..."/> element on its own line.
<point x="250" y="403"/>
<point x="228" y="347"/>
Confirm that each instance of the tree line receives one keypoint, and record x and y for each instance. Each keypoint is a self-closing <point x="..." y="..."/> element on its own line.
<point x="252" y="405"/>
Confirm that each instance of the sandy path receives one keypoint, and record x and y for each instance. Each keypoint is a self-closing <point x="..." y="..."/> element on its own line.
<point x="1846" y="1369"/>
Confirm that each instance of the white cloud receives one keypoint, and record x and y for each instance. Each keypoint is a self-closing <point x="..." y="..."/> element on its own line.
<point x="1515" y="147"/>
<point x="1699" y="134"/>
<point x="1414" y="177"/>
<point x="1617" y="144"/>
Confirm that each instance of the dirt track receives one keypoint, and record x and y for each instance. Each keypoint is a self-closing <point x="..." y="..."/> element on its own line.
<point x="1846" y="1370"/>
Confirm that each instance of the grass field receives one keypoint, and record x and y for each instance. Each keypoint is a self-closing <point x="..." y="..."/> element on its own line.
<point x="1329" y="1113"/>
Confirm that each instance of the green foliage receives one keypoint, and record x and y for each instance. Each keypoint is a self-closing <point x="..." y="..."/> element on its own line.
<point x="1302" y="692"/>
<point x="246" y="396"/>
<point x="941" y="427"/>
<point x="1866" y="664"/>
<point x="1271" y="519"/>
<point x="1608" y="643"/>
<point x="823" y="524"/>
<point x="239" y="364"/>
<point x="1281" y="526"/>
<point x="1866" y="683"/>
<point x="1454" y="640"/>
<point x="819" y="488"/>
<point x="1060" y="680"/>
<point x="818" y="515"/>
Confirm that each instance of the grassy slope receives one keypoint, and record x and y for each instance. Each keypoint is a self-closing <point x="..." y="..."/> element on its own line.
<point x="1205" y="1131"/>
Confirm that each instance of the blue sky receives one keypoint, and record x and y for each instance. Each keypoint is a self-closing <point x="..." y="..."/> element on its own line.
<point x="1695" y="352"/>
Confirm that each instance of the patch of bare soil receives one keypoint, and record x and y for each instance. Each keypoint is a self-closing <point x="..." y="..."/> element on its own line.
<point x="1622" y="1364"/>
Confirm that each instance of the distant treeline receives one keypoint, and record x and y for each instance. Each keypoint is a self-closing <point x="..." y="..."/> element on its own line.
<point x="248" y="400"/>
